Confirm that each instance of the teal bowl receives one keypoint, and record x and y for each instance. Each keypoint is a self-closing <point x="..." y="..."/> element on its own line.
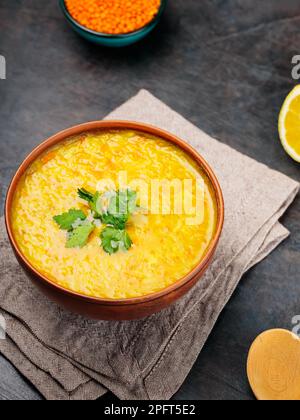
<point x="108" y="40"/>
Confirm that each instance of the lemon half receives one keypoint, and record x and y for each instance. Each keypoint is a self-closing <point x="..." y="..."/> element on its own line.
<point x="289" y="124"/>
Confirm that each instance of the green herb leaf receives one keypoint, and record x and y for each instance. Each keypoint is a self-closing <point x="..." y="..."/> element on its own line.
<point x="79" y="236"/>
<point x="132" y="201"/>
<point x="94" y="201"/>
<point x="85" y="195"/>
<point x="119" y="222"/>
<point x="66" y="220"/>
<point x="113" y="240"/>
<point x="123" y="203"/>
<point x="95" y="205"/>
<point x="113" y="208"/>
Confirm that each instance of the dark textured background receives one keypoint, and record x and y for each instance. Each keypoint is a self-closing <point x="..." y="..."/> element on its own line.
<point x="223" y="64"/>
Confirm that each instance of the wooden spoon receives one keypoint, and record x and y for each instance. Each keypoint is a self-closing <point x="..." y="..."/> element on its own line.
<point x="274" y="366"/>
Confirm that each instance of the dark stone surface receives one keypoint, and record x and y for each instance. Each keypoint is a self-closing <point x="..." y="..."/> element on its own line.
<point x="226" y="66"/>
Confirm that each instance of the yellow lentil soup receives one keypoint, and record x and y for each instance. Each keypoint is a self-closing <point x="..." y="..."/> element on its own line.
<point x="163" y="248"/>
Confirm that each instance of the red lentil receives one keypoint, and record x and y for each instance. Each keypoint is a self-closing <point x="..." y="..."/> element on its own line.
<point x="113" y="16"/>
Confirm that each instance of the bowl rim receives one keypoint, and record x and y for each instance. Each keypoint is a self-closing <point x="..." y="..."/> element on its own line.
<point x="113" y="36"/>
<point x="118" y="125"/>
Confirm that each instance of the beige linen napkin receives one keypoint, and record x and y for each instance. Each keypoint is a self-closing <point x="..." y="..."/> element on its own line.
<point x="68" y="357"/>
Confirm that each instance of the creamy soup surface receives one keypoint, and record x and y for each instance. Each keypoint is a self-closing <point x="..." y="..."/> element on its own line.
<point x="165" y="247"/>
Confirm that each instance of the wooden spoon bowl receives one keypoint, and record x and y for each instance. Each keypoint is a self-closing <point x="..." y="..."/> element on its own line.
<point x="274" y="366"/>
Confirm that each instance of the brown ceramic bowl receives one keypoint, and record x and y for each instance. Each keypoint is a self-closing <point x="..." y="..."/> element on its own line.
<point x="125" y="309"/>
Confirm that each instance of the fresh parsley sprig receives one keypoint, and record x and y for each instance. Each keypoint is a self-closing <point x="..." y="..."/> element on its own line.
<point x="85" y="195"/>
<point x="78" y="227"/>
<point x="79" y="236"/>
<point x="112" y="208"/>
<point x="94" y="201"/>
<point x="66" y="220"/>
<point x="114" y="240"/>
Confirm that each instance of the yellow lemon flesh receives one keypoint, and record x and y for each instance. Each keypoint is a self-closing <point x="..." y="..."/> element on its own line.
<point x="289" y="124"/>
